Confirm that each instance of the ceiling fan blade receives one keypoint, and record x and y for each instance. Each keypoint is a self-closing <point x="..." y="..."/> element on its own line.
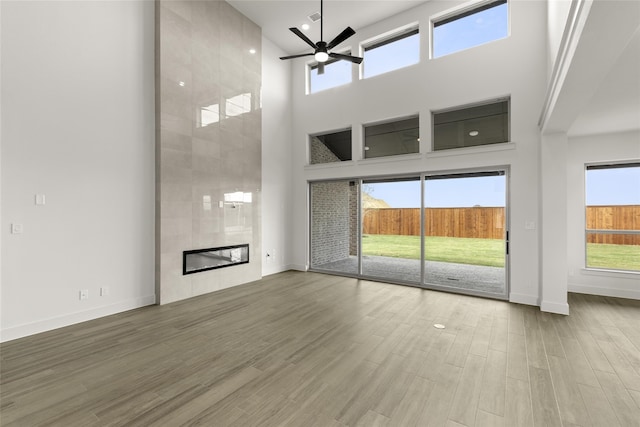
<point x="354" y="59"/>
<point x="348" y="32"/>
<point x="320" y="68"/>
<point x="296" y="56"/>
<point x="300" y="34"/>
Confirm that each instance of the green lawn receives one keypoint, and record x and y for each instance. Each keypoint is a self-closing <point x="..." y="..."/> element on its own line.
<point x="488" y="252"/>
<point x="618" y="257"/>
<point x="448" y="249"/>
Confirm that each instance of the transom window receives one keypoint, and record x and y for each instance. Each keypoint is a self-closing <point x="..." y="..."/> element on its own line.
<point x="471" y="126"/>
<point x="330" y="147"/>
<point x="336" y="73"/>
<point x="398" y="50"/>
<point x="393" y="138"/>
<point x="483" y="23"/>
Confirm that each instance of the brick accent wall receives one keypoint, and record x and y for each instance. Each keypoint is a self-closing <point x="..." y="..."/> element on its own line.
<point x="319" y="153"/>
<point x="330" y="210"/>
<point x="353" y="219"/>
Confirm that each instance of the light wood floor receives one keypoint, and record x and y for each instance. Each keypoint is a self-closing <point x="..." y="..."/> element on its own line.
<point x="305" y="349"/>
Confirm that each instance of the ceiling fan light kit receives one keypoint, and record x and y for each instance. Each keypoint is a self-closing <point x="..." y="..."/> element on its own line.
<point x="322" y="50"/>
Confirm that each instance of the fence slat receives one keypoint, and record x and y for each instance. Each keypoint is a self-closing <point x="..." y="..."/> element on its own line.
<point x="488" y="222"/>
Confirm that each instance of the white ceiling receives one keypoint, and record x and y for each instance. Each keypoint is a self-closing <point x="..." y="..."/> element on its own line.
<point x="275" y="17"/>
<point x="615" y="107"/>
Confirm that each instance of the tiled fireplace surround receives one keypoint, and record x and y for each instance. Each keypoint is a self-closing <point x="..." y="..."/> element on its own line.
<point x="208" y="142"/>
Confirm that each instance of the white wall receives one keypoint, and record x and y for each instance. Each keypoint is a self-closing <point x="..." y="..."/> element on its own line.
<point x="276" y="160"/>
<point x="78" y="127"/>
<point x="592" y="149"/>
<point x="557" y="15"/>
<point x="514" y="66"/>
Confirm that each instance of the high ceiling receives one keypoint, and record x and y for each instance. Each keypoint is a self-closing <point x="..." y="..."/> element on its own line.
<point x="615" y="106"/>
<point x="275" y="17"/>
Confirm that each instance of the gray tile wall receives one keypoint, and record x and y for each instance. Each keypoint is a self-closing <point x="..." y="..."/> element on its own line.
<point x="208" y="145"/>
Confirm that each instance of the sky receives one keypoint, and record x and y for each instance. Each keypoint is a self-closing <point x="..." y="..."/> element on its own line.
<point x="442" y="193"/>
<point x="603" y="187"/>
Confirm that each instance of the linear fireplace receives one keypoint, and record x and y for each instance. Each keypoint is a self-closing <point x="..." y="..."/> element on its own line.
<point x="198" y="260"/>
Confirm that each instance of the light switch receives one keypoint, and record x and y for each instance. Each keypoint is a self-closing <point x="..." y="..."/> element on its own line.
<point x="40" y="199"/>
<point x="221" y="204"/>
<point x="17" y="228"/>
<point x="529" y="225"/>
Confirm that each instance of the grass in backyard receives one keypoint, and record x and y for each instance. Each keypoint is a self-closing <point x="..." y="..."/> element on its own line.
<point x="617" y="257"/>
<point x="489" y="252"/>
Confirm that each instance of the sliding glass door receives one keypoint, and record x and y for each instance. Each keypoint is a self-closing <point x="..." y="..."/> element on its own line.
<point x="391" y="226"/>
<point x="465" y="246"/>
<point x="441" y="231"/>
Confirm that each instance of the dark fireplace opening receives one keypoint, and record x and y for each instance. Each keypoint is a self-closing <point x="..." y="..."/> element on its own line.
<point x="198" y="260"/>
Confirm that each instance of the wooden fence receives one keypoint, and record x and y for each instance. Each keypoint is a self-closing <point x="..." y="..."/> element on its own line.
<point x="488" y="222"/>
<point x="613" y="218"/>
<point x="482" y="223"/>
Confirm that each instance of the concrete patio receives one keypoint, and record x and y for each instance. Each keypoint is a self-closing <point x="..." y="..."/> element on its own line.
<point x="477" y="278"/>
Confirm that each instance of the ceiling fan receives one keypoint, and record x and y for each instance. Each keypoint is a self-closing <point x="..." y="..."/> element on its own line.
<point x="322" y="48"/>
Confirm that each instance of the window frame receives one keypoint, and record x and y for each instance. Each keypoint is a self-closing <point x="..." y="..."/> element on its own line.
<point x="329" y="132"/>
<point x="386" y="122"/>
<point x="587" y="231"/>
<point x="388" y="38"/>
<point x="460" y="12"/>
<point x="498" y="100"/>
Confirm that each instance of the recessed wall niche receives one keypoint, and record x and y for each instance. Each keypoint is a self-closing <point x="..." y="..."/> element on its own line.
<point x="208" y="142"/>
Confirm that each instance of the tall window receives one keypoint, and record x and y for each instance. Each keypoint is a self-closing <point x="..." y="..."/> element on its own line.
<point x="470" y="126"/>
<point x="613" y="216"/>
<point x="486" y="22"/>
<point x="392" y="138"/>
<point x="336" y="73"/>
<point x="399" y="50"/>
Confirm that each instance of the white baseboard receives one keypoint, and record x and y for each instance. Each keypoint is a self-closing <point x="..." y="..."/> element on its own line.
<point x="275" y="269"/>
<point x="555" y="307"/>
<point x="49" y="324"/>
<point x="298" y="267"/>
<point x="524" y="299"/>
<point x="605" y="292"/>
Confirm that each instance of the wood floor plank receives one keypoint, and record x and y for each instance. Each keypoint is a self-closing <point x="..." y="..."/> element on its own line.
<point x="465" y="402"/>
<point x="536" y="355"/>
<point x="545" y="406"/>
<point x="619" y="398"/>
<point x="570" y="403"/>
<point x="600" y="411"/>
<point x="409" y="410"/>
<point x="317" y="350"/>
<point x="458" y="351"/>
<point x="494" y="383"/>
<point x="550" y="337"/>
<point x="636" y="396"/>
<point x="487" y="419"/>
<point x="596" y="358"/>
<point x="436" y="412"/>
<point x="481" y="337"/>
<point x="499" y="334"/>
<point x="518" y="403"/>
<point x="582" y="371"/>
<point x="517" y="365"/>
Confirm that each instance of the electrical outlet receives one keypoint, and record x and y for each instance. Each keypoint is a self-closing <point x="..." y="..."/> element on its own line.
<point x="104" y="291"/>
<point x="84" y="294"/>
